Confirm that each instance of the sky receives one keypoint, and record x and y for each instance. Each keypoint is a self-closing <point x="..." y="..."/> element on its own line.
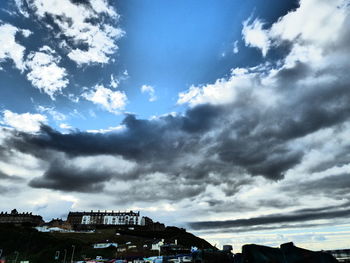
<point x="229" y="118"/>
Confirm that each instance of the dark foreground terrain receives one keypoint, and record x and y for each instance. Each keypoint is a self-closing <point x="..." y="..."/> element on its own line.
<point x="27" y="243"/>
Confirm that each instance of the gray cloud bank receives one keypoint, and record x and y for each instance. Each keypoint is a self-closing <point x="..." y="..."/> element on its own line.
<point x="266" y="221"/>
<point x="225" y="140"/>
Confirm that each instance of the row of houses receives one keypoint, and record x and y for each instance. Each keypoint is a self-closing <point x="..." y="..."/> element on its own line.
<point x="84" y="220"/>
<point x="108" y="218"/>
<point x="14" y="217"/>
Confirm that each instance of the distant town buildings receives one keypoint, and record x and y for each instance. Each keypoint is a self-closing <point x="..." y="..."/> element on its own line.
<point x="84" y="221"/>
<point x="20" y="218"/>
<point x="108" y="218"/>
<point x="129" y="219"/>
<point x="157" y="244"/>
<point x="104" y="245"/>
<point x="342" y="255"/>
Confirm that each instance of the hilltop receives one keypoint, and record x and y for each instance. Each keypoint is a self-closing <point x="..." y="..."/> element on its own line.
<point x="41" y="247"/>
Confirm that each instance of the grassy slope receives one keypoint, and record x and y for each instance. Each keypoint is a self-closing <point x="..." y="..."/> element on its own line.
<point x="41" y="247"/>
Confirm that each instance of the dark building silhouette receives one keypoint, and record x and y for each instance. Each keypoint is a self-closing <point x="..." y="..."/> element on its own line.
<point x="342" y="255"/>
<point x="20" y="218"/>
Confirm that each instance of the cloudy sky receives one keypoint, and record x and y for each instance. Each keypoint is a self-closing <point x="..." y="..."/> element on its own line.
<point x="230" y="118"/>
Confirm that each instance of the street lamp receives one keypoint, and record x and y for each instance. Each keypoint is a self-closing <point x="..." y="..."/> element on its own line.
<point x="16" y="256"/>
<point x="72" y="253"/>
<point x="65" y="254"/>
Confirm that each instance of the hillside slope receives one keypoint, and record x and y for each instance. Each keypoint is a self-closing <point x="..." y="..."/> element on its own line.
<point x="41" y="247"/>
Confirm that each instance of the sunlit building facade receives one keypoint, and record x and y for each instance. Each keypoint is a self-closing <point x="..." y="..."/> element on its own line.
<point x="108" y="218"/>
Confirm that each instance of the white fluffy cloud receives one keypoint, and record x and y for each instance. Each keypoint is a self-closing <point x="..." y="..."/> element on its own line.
<point x="151" y="92"/>
<point x="75" y="23"/>
<point x="25" y="122"/>
<point x="65" y="126"/>
<point x="20" y="7"/>
<point x="41" y="67"/>
<point x="221" y="92"/>
<point x="114" y="83"/>
<point x="317" y="22"/>
<point x="235" y="49"/>
<point x="255" y="36"/>
<point x="118" y="128"/>
<point x="113" y="101"/>
<point x="89" y="34"/>
<point x="319" y="51"/>
<point x="44" y="72"/>
<point x="102" y="6"/>
<point x="9" y="48"/>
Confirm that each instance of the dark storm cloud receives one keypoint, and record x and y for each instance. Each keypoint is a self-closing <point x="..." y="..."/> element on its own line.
<point x="143" y="140"/>
<point x="61" y="176"/>
<point x="333" y="185"/>
<point x="277" y="202"/>
<point x="3" y="149"/>
<point x="225" y="140"/>
<point x="271" y="160"/>
<point x="155" y="191"/>
<point x="5" y="152"/>
<point x="159" y="146"/>
<point x="306" y="111"/>
<point x="300" y="70"/>
<point x="297" y="216"/>
<point x="83" y="2"/>
<point x="259" y="228"/>
<point x="201" y="118"/>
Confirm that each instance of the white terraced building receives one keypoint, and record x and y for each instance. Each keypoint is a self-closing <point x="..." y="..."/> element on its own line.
<point x="108" y="218"/>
